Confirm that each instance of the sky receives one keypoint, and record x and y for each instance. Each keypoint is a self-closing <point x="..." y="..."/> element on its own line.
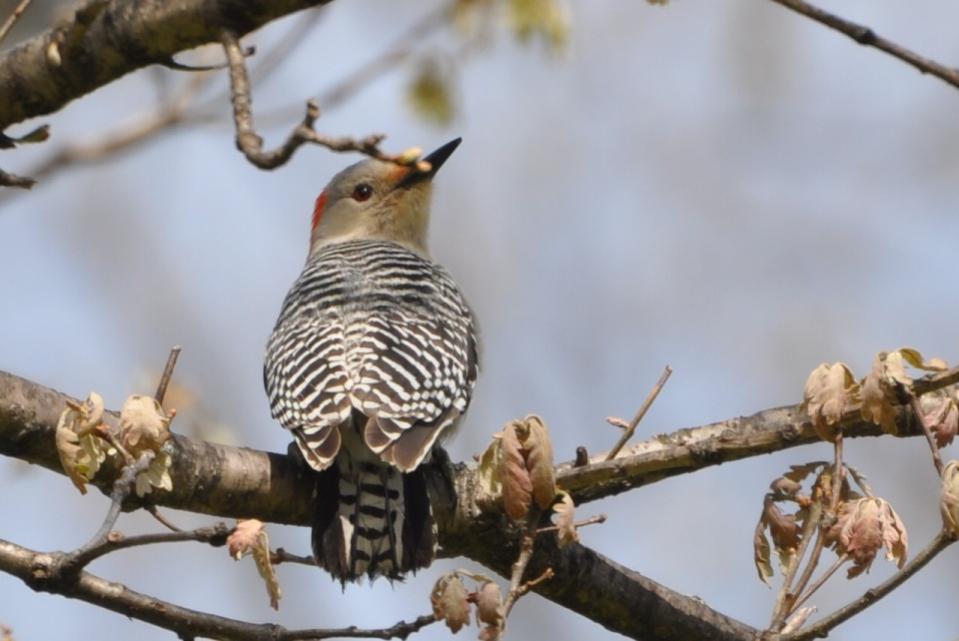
<point x="727" y="188"/>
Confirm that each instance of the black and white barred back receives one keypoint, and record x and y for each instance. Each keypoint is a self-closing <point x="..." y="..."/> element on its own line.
<point x="373" y="356"/>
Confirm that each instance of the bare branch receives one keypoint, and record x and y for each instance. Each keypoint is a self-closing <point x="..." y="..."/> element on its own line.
<point x="9" y="22"/>
<point x="251" y="143"/>
<point x="868" y="38"/>
<point x="631" y="428"/>
<point x="12" y="180"/>
<point x="167" y="373"/>
<point x="41" y="571"/>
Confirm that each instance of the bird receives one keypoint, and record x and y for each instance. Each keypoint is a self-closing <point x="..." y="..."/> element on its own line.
<point x="373" y="358"/>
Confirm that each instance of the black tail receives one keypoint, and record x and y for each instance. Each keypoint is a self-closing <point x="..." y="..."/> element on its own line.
<point x="371" y="519"/>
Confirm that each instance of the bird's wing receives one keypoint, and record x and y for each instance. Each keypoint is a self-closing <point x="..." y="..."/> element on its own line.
<point x="415" y="381"/>
<point x="306" y="386"/>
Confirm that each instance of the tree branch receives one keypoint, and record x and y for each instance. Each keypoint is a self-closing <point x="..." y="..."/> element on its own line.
<point x="41" y="571"/>
<point x="241" y="483"/>
<point x="106" y="40"/>
<point x="869" y="38"/>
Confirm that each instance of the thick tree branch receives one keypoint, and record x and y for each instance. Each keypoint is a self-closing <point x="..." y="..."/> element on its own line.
<point x="107" y="39"/>
<point x="869" y="38"/>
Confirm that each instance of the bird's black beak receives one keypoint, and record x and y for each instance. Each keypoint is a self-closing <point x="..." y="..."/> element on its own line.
<point x="435" y="159"/>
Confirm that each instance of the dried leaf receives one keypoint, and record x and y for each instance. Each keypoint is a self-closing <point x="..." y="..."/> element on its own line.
<point x="488" y="473"/>
<point x="878" y="396"/>
<point x="449" y="599"/>
<point x="866" y="525"/>
<point x="143" y="425"/>
<point x="80" y="450"/>
<point x="539" y="461"/>
<point x="783" y="529"/>
<point x="785" y="486"/>
<point x="565" y="511"/>
<point x="830" y="391"/>
<point x="489" y="605"/>
<point x="490" y="633"/>
<point x="943" y="420"/>
<point x="249" y="536"/>
<point x="517" y="487"/>
<point x="799" y="473"/>
<point x="762" y="553"/>
<point x="949" y="498"/>
<point x="243" y="537"/>
<point x="914" y="358"/>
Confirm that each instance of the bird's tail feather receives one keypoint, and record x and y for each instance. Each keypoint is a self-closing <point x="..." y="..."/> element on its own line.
<point x="370" y="519"/>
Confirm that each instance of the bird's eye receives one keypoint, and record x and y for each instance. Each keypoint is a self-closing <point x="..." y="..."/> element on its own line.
<point x="362" y="192"/>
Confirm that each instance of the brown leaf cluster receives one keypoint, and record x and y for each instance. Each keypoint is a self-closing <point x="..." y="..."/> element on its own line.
<point x="865" y="526"/>
<point x="518" y="465"/>
<point x="451" y="603"/>
<point x="785" y="529"/>
<point x="832" y="390"/>
<point x="250" y="537"/>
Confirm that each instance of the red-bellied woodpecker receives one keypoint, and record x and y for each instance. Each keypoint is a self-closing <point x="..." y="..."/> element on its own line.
<point x="373" y="357"/>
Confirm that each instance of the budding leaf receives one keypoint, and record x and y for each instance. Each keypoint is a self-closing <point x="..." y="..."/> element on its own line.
<point x="143" y="425"/>
<point x="249" y="536"/>
<point x="489" y="605"/>
<point x="449" y="599"/>
<point x="157" y="475"/>
<point x="865" y="526"/>
<point x="539" y="462"/>
<point x="915" y="359"/>
<point x="80" y="450"/>
<point x="762" y="553"/>
<point x="517" y="486"/>
<point x="830" y="391"/>
<point x="565" y="511"/>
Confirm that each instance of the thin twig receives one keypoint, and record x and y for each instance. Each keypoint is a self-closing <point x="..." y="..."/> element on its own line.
<point x="926" y="430"/>
<point x="867" y="37"/>
<point x="631" y="428"/>
<point x="593" y="520"/>
<point x="810" y="527"/>
<point x="282" y="556"/>
<point x="822" y="627"/>
<point x="121" y="490"/>
<point x="517" y="587"/>
<point x="12" y="180"/>
<point x="167" y="374"/>
<point x="818" y="583"/>
<point x="215" y="535"/>
<point x="159" y="516"/>
<point x="251" y="144"/>
<point x="17" y="12"/>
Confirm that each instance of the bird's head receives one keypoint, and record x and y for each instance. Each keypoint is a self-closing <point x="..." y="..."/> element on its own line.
<point x="378" y="200"/>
